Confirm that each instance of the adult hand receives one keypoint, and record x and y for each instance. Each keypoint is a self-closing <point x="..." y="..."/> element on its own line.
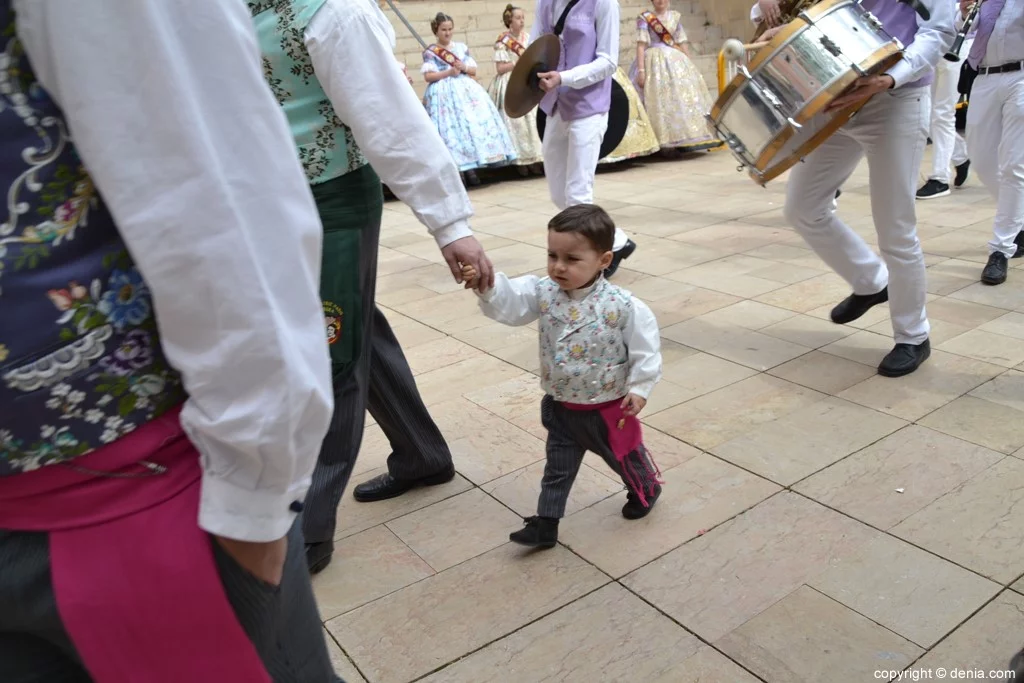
<point x="549" y="80"/>
<point x="468" y="251"/>
<point x="632" y="405"/>
<point x="965" y="6"/>
<point x="863" y="88"/>
<point x="770" y="11"/>
<point x="265" y="561"/>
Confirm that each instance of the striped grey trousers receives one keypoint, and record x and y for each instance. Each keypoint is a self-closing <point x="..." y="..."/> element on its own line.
<point x="283" y="624"/>
<point x="570" y="435"/>
<point x="380" y="381"/>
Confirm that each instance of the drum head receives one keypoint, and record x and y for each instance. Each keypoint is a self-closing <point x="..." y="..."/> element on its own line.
<point x="618" y="121"/>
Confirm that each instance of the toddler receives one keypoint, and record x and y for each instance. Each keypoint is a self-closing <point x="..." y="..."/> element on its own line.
<point x="600" y="353"/>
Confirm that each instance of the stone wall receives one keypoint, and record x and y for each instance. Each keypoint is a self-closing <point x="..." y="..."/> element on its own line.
<point x="478" y="24"/>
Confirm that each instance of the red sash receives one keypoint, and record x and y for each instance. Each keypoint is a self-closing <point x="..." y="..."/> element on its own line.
<point x="511" y="43"/>
<point x="659" y="29"/>
<point x="446" y="56"/>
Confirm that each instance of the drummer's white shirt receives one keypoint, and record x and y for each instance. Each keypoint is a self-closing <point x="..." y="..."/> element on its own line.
<point x="1007" y="41"/>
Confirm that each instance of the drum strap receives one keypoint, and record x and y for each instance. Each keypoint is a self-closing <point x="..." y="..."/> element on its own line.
<point x="560" y="25"/>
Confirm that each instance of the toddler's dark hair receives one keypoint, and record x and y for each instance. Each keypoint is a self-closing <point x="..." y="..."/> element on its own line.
<point x="439" y="19"/>
<point x="506" y="16"/>
<point x="588" y="220"/>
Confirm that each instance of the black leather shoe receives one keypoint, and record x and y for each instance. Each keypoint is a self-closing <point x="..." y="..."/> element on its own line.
<point x="318" y="556"/>
<point x="619" y="256"/>
<point x="634" y="509"/>
<point x="856" y="305"/>
<point x="904" y="359"/>
<point x="385" y="486"/>
<point x="1019" y="241"/>
<point x="537" y="532"/>
<point x="995" y="270"/>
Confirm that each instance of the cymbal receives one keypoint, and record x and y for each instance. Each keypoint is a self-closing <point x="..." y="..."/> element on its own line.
<point x="523" y="91"/>
<point x="618" y="121"/>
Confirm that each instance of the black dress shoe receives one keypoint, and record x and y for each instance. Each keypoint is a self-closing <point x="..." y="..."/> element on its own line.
<point x="619" y="256"/>
<point x="962" y="171"/>
<point x="856" y="305"/>
<point x="537" y="532"/>
<point x="904" y="359"/>
<point x="995" y="270"/>
<point x="385" y="486"/>
<point x="318" y="556"/>
<point x="1019" y="241"/>
<point x="634" y="509"/>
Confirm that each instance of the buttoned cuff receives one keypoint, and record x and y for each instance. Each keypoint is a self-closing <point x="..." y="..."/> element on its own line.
<point x="901" y="74"/>
<point x="452" y="233"/>
<point x="642" y="389"/>
<point x="246" y="515"/>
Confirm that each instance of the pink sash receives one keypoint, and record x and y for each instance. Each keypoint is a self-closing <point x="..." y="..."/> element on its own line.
<point x="624" y="437"/>
<point x="134" y="576"/>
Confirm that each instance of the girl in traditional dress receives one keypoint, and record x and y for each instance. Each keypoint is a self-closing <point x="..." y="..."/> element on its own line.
<point x="640" y="138"/>
<point x="507" y="50"/>
<point x="673" y="90"/>
<point x="464" y="115"/>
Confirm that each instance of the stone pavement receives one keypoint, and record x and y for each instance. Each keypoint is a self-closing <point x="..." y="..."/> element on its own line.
<point x="819" y="523"/>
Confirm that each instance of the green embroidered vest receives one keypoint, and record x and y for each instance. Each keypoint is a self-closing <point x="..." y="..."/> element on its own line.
<point x="326" y="146"/>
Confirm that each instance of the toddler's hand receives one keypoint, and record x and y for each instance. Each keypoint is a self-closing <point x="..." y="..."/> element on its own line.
<point x="632" y="405"/>
<point x="470" y="277"/>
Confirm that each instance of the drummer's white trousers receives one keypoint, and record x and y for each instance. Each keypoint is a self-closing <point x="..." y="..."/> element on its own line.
<point x="890" y="131"/>
<point x="571" y="152"/>
<point x="947" y="145"/>
<point x="995" y="140"/>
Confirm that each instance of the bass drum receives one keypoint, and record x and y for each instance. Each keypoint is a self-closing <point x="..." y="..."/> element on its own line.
<point x="618" y="120"/>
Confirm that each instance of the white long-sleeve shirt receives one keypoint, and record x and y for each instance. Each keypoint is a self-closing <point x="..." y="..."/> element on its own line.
<point x="1006" y="44"/>
<point x="518" y="302"/>
<point x="607" y="59"/>
<point x="933" y="38"/>
<point x="168" y="108"/>
<point x="350" y="44"/>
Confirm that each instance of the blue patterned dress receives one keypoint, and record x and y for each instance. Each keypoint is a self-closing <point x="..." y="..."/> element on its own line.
<point x="465" y="116"/>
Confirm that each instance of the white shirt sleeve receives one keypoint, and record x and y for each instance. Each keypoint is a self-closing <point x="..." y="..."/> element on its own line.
<point x="219" y="218"/>
<point x="643" y="339"/>
<point x="755" y="13"/>
<point x="931" y="41"/>
<point x="607" y="59"/>
<point x="512" y="302"/>
<point x="345" y="39"/>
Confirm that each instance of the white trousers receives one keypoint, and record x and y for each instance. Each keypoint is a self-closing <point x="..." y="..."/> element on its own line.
<point x="571" y="151"/>
<point x="995" y="141"/>
<point x="947" y="145"/>
<point x="890" y="130"/>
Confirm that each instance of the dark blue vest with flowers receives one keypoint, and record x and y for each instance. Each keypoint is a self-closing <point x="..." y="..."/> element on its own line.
<point x="80" y="359"/>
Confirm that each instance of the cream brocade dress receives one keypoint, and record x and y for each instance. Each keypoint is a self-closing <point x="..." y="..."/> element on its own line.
<point x="639" y="139"/>
<point x="675" y="94"/>
<point x="524" y="129"/>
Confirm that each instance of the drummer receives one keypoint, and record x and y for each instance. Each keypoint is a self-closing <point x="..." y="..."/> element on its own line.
<point x="890" y="131"/>
<point x="578" y="109"/>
